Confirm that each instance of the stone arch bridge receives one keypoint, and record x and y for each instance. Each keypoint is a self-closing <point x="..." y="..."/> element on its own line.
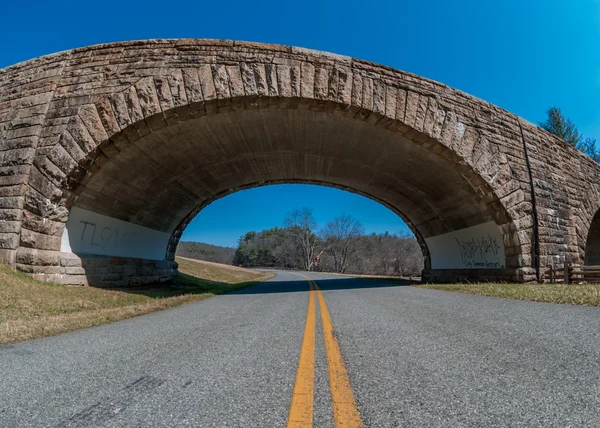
<point x="108" y="152"/>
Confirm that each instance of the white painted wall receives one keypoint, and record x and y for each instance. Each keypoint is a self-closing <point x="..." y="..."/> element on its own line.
<point x="86" y="232"/>
<point x="477" y="247"/>
<point x="89" y="233"/>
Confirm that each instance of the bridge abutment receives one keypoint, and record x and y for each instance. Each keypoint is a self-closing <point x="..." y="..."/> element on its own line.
<point x="100" y="271"/>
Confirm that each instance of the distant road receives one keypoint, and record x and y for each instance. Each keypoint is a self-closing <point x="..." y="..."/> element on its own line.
<point x="393" y="355"/>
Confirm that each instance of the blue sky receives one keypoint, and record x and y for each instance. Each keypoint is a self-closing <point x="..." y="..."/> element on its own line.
<point x="222" y="222"/>
<point x="523" y="55"/>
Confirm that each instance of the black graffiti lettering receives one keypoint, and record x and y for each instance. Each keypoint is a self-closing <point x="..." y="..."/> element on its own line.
<point x="106" y="241"/>
<point x="481" y="252"/>
<point x="93" y="226"/>
<point x="117" y="243"/>
<point x="107" y="236"/>
<point x="93" y="241"/>
<point x="85" y="225"/>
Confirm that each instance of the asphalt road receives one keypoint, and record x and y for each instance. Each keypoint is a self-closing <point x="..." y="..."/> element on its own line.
<point x="412" y="357"/>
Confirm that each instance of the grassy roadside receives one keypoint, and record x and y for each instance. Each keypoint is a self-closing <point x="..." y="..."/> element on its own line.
<point x="575" y="294"/>
<point x="584" y="294"/>
<point x="31" y="309"/>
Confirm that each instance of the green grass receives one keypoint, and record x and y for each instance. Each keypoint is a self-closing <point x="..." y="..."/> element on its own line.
<point x="584" y="294"/>
<point x="31" y="309"/>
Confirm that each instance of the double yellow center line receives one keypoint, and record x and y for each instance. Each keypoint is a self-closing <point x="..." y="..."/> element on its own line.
<point x="345" y="412"/>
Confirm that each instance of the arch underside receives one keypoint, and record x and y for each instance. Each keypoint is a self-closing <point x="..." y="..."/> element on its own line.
<point x="592" y="249"/>
<point x="163" y="179"/>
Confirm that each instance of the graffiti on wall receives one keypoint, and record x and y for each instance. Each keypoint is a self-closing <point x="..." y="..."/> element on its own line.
<point x="87" y="232"/>
<point x="476" y="247"/>
<point x="480" y="252"/>
<point x="104" y="237"/>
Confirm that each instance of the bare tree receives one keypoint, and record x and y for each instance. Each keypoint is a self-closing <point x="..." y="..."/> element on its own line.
<point x="386" y="252"/>
<point x="395" y="255"/>
<point x="286" y="252"/>
<point x="342" y="247"/>
<point x="301" y="225"/>
<point x="409" y="258"/>
<point x="342" y="237"/>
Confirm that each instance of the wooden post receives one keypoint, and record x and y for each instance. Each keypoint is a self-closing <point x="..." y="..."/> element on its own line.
<point x="566" y="273"/>
<point x="551" y="274"/>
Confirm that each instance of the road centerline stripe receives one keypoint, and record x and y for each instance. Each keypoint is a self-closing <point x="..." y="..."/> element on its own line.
<point x="301" y="409"/>
<point x="345" y="411"/>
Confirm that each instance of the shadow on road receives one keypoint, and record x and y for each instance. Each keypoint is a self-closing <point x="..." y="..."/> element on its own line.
<point x="339" y="283"/>
<point x="196" y="286"/>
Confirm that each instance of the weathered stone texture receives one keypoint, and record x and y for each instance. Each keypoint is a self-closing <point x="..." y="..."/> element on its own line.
<point x="65" y="118"/>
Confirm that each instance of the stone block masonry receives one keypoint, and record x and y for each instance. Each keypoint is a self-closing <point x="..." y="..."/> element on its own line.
<point x="145" y="134"/>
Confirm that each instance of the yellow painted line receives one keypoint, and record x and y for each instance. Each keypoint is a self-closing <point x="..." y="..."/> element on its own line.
<point x="301" y="410"/>
<point x="345" y="411"/>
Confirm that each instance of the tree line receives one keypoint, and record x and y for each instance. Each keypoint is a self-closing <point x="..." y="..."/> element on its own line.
<point x="208" y="252"/>
<point x="342" y="246"/>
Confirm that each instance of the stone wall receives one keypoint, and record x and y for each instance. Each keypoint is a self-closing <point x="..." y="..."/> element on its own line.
<point x="68" y="268"/>
<point x="469" y="275"/>
<point x="65" y="117"/>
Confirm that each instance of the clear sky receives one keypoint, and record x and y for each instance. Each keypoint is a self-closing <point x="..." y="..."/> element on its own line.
<point x="523" y="55"/>
<point x="223" y="222"/>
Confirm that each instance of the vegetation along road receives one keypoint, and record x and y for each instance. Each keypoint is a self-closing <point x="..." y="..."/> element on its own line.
<point x="307" y="348"/>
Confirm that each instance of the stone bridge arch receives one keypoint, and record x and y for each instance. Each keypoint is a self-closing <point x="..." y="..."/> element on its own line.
<point x="149" y="132"/>
<point x="590" y="233"/>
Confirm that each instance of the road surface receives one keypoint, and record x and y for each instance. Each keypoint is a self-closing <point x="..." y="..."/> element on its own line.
<point x="270" y="355"/>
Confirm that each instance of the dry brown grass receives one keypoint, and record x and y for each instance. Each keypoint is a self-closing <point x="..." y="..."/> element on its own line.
<point x="217" y="272"/>
<point x="30" y="309"/>
<point x="583" y="294"/>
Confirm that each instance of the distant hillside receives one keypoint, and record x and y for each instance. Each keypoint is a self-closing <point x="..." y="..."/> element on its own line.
<point x="208" y="252"/>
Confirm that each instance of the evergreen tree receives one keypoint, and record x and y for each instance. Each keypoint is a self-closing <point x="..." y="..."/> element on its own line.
<point x="588" y="146"/>
<point x="562" y="127"/>
<point x="557" y="124"/>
